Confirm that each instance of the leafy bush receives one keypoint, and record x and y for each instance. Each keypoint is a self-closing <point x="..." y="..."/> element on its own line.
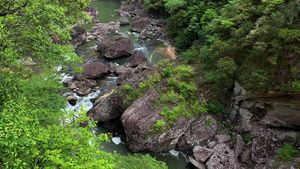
<point x="287" y="152"/>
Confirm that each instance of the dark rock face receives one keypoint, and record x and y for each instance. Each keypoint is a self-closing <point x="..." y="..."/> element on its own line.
<point x="116" y="47"/>
<point x="101" y="30"/>
<point x="140" y="25"/>
<point x="253" y="111"/>
<point x="93" y="71"/>
<point x="138" y="58"/>
<point x="106" y="108"/>
<point x="139" y="118"/>
<point x="222" y="158"/>
<point x="72" y="100"/>
<point x="78" y="35"/>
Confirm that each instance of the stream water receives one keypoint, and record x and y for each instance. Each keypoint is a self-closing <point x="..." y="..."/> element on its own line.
<point x="173" y="159"/>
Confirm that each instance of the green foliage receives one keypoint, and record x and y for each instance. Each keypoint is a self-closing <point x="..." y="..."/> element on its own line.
<point x="172" y="6"/>
<point x="218" y="107"/>
<point x="37" y="29"/>
<point x="287" y="152"/>
<point x="233" y="40"/>
<point x="158" y="126"/>
<point x="138" y="161"/>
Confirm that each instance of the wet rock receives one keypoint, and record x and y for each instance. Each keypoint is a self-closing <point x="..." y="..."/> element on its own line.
<point x="222" y="138"/>
<point x="222" y="158"/>
<point x="101" y="30"/>
<point x="92" y="71"/>
<point x="106" y="108"/>
<point x="239" y="145"/>
<point x="116" y="47"/>
<point x="72" y="100"/>
<point x="197" y="164"/>
<point x="123" y="21"/>
<point x="201" y="154"/>
<point x="140" y="25"/>
<point x="138" y="58"/>
<point x="78" y="35"/>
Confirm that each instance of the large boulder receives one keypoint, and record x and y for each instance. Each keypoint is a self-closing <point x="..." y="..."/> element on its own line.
<point x="116" y="47"/>
<point x="101" y="30"/>
<point x="223" y="158"/>
<point x="92" y="71"/>
<point x="140" y="25"/>
<point x="138" y="58"/>
<point x="78" y="35"/>
<point x="106" y="108"/>
<point x="140" y="117"/>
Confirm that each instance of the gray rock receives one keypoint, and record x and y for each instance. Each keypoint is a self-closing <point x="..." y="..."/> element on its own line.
<point x="123" y="21"/>
<point x="116" y="47"/>
<point x="222" y="138"/>
<point x="159" y="22"/>
<point x="138" y="58"/>
<point x="78" y="35"/>
<point x="92" y="71"/>
<point x="196" y="163"/>
<point x="101" y="30"/>
<point x="245" y="156"/>
<point x="81" y="87"/>
<point x="140" y="25"/>
<point x="106" y="108"/>
<point x="92" y="12"/>
<point x="123" y="70"/>
<point x="212" y="144"/>
<point x="201" y="154"/>
<point x="112" y="67"/>
<point x="239" y="145"/>
<point x="263" y="149"/>
<point x="222" y="158"/>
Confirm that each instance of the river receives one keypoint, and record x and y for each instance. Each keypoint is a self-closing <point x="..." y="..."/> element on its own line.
<point x="174" y="159"/>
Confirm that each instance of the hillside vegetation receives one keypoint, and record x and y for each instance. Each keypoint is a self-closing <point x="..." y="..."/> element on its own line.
<point x="253" y="41"/>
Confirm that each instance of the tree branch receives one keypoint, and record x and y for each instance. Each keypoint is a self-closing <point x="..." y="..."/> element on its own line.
<point x="4" y="13"/>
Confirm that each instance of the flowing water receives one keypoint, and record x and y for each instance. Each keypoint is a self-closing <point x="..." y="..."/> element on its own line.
<point x="173" y="159"/>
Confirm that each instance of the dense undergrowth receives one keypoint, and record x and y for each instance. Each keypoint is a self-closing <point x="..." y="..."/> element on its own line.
<point x="254" y="42"/>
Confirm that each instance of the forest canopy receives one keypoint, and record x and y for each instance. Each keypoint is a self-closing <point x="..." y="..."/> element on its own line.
<point x="253" y="41"/>
<point x="35" y="130"/>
